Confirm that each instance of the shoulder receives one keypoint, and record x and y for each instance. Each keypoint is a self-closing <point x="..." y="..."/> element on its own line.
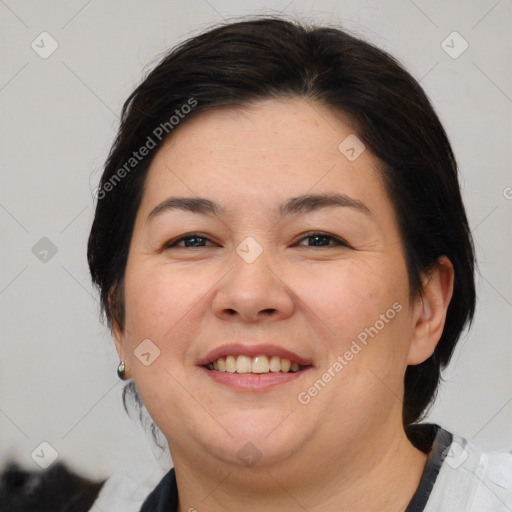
<point x="164" y="496"/>
<point x="126" y="491"/>
<point x="472" y="479"/>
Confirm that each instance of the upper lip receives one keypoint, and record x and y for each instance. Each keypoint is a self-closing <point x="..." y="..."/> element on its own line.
<point x="239" y="349"/>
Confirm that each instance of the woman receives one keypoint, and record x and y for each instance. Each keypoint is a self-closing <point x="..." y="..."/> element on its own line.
<point x="285" y="262"/>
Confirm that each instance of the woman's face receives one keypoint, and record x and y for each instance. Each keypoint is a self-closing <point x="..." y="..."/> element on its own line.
<point x="253" y="279"/>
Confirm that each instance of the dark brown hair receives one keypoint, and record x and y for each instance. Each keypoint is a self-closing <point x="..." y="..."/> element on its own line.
<point x="244" y="61"/>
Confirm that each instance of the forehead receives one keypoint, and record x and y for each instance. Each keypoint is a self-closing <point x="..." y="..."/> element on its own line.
<point x="266" y="151"/>
<point x="285" y="129"/>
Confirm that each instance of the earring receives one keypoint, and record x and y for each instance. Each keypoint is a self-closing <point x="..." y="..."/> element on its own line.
<point x="121" y="371"/>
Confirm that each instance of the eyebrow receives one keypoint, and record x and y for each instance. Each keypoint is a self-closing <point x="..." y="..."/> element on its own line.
<point x="295" y="205"/>
<point x="311" y="202"/>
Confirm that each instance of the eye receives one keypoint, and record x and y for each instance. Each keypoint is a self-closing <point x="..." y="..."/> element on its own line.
<point x="188" y="241"/>
<point x="317" y="238"/>
<point x="320" y="239"/>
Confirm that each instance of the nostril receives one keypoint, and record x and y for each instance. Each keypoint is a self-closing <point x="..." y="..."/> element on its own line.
<point x="263" y="312"/>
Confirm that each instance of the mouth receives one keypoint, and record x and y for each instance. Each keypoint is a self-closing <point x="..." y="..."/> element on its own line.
<point x="253" y="367"/>
<point x="258" y="365"/>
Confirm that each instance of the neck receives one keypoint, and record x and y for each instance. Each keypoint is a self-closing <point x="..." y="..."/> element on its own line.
<point x="379" y="475"/>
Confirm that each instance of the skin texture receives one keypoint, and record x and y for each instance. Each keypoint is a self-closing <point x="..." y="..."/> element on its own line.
<point x="344" y="450"/>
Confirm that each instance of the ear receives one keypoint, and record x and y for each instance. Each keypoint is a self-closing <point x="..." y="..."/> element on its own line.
<point x="430" y="311"/>
<point x="118" y="336"/>
<point x="118" y="332"/>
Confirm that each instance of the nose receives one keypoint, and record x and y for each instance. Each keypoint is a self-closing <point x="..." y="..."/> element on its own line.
<point x="252" y="292"/>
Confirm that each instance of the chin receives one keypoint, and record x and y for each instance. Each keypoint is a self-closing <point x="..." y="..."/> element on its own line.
<point x="258" y="440"/>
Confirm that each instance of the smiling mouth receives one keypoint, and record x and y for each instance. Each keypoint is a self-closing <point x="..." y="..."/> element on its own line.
<point x="254" y="365"/>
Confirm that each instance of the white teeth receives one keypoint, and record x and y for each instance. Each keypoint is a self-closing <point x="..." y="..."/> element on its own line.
<point x="258" y="364"/>
<point x="275" y="364"/>
<point x="243" y="364"/>
<point x="230" y="364"/>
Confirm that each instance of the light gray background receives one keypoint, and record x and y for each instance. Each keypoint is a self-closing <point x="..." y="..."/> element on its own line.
<point x="59" y="117"/>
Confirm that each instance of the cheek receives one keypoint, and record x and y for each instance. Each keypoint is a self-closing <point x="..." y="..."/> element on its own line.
<point x="350" y="297"/>
<point x="155" y="296"/>
<point x="365" y="306"/>
<point x="167" y="305"/>
<point x="159" y="305"/>
<point x="155" y="303"/>
<point x="366" y="310"/>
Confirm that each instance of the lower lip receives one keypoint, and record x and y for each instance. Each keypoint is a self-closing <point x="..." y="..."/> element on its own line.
<point x="253" y="381"/>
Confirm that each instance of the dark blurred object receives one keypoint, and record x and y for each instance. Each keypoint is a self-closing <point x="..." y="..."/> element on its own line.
<point x="55" y="490"/>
